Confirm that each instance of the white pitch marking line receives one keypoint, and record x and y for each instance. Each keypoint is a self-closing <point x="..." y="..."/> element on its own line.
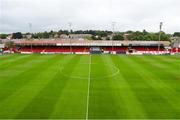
<point x="89" y="82"/>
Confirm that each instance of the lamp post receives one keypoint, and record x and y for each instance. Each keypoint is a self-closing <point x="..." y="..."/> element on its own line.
<point x="30" y="30"/>
<point x="113" y="30"/>
<point x="70" y="29"/>
<point x="160" y="27"/>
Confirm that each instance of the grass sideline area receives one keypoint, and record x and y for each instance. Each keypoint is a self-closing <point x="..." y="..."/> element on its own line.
<point x="89" y="87"/>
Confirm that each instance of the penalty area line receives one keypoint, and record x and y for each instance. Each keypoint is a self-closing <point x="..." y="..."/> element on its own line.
<point x="89" y="82"/>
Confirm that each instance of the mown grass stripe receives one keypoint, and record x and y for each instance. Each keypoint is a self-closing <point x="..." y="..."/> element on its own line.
<point x="147" y="95"/>
<point x="11" y="85"/>
<point x="8" y="56"/>
<point x="162" y="88"/>
<point x="162" y="62"/>
<point x="166" y="75"/>
<point x="10" y="62"/>
<point x="127" y="94"/>
<point x="169" y="73"/>
<point x="18" y="66"/>
<point x="56" y="87"/>
<point x="102" y="104"/>
<point x="19" y="100"/>
<point x="72" y="101"/>
<point x="43" y="104"/>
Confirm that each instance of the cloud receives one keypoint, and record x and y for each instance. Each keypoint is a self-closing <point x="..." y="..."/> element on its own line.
<point x="89" y="14"/>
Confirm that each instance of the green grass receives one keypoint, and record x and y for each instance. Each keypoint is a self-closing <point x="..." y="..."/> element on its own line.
<point x="120" y="87"/>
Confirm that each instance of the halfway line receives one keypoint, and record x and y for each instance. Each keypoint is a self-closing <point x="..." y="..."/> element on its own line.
<point x="89" y="82"/>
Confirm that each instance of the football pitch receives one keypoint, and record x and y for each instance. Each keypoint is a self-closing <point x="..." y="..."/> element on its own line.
<point x="89" y="87"/>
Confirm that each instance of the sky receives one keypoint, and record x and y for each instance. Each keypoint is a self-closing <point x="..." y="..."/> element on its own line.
<point x="46" y="15"/>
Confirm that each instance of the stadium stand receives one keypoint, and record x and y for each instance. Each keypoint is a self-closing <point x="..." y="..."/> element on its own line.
<point x="176" y="46"/>
<point x="84" y="46"/>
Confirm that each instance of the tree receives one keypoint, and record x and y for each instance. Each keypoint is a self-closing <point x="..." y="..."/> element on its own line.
<point x="145" y="32"/>
<point x="176" y="34"/>
<point x="165" y="36"/>
<point x="129" y="32"/>
<point x="148" y="36"/>
<point x="107" y="38"/>
<point x="117" y="37"/>
<point x="96" y="38"/>
<point x="17" y="35"/>
<point x="63" y="32"/>
<point x="3" y="36"/>
<point x="35" y="36"/>
<point x="88" y="38"/>
<point x="9" y="44"/>
<point x="45" y="34"/>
